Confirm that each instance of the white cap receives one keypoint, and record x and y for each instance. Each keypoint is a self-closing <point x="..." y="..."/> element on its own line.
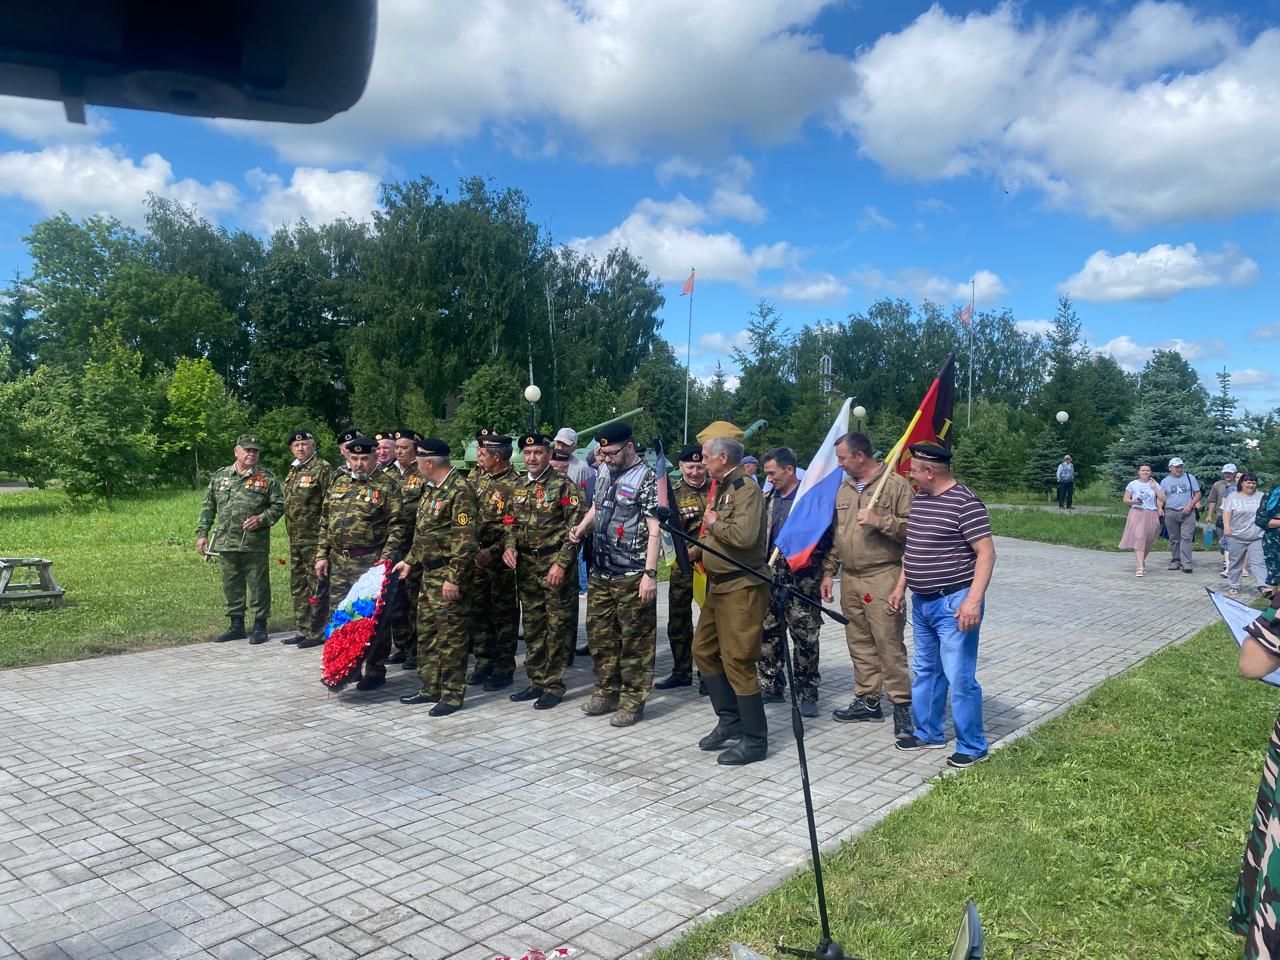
<point x="566" y="435"/>
<point x="1228" y="468"/>
<point x="1175" y="462"/>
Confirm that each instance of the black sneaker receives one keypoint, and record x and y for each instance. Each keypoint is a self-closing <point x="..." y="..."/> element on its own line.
<point x="962" y="760"/>
<point x="809" y="708"/>
<point x="904" y="724"/>
<point x="913" y="743"/>
<point x="528" y="693"/>
<point x="864" y="709"/>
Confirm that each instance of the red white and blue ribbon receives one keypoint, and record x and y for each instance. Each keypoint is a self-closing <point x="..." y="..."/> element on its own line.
<point x="353" y="624"/>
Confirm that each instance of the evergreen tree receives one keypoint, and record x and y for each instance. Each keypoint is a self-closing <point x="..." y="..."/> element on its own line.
<point x="989" y="456"/>
<point x="1047" y="451"/>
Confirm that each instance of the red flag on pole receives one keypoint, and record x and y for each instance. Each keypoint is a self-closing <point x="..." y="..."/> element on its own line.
<point x="966" y="314"/>
<point x="688" y="285"/>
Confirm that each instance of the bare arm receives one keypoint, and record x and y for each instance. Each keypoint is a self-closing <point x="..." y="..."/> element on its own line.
<point x="1256" y="661"/>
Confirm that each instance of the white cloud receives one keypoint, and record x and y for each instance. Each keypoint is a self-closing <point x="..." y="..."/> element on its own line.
<point x="1252" y="377"/>
<point x="677" y="167"/>
<point x="1158" y="274"/>
<point x="624" y="77"/>
<point x="732" y="205"/>
<point x="818" y="288"/>
<point x="872" y="219"/>
<point x="45" y="121"/>
<point x="718" y="343"/>
<point x="1269" y="331"/>
<point x="1037" y="327"/>
<point x="1131" y="355"/>
<point x="88" y="179"/>
<point x="1156" y="116"/>
<point x="934" y="205"/>
<point x="919" y="284"/>
<point x="317" y="196"/>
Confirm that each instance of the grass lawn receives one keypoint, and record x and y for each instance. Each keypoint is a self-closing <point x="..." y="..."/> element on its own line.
<point x="132" y="576"/>
<point x="1094" y="495"/>
<point x="1093" y="531"/>
<point x="1115" y="830"/>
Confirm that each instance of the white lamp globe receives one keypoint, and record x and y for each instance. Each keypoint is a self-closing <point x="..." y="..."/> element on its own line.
<point x="532" y="393"/>
<point x="1062" y="416"/>
<point x="859" y="411"/>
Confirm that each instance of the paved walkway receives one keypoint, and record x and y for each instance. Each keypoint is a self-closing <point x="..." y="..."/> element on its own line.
<point x="217" y="801"/>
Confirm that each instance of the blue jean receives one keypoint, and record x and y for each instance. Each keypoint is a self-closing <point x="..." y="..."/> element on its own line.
<point x="582" y="572"/>
<point x="946" y="658"/>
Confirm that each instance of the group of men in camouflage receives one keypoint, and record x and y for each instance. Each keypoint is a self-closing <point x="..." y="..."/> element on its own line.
<point x="475" y="556"/>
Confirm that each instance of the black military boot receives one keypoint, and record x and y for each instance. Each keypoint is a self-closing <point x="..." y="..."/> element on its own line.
<point x="754" y="744"/>
<point x="729" y="726"/>
<point x="235" y="633"/>
<point x="259" y="634"/>
<point x="904" y="724"/>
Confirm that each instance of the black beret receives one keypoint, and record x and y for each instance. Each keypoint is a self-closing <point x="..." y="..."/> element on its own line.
<point x="619" y="432"/>
<point x="346" y="436"/>
<point x="300" y="435"/>
<point x="691" y="454"/>
<point x="930" y="452"/>
<point x="535" y="440"/>
<point x="386" y="435"/>
<point x="487" y="437"/>
<point x="360" y="445"/>
<point x="432" y="447"/>
<point x="404" y="433"/>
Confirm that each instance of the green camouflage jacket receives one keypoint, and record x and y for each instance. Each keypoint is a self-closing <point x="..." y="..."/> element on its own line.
<point x="447" y="534"/>
<point x="231" y="500"/>
<point x="363" y="516"/>
<point x="494" y="494"/>
<point x="412" y="486"/>
<point x="540" y="515"/>
<point x="304" y="488"/>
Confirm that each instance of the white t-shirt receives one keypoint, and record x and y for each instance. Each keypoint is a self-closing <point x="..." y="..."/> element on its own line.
<point x="1242" y="510"/>
<point x="1144" y="493"/>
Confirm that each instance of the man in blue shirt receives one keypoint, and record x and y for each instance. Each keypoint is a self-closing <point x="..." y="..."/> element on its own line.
<point x="1182" y="496"/>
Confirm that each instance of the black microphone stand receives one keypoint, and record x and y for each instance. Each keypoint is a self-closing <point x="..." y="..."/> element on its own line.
<point x="782" y="592"/>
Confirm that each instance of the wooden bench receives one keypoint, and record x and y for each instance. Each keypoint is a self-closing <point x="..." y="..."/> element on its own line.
<point x="46" y="588"/>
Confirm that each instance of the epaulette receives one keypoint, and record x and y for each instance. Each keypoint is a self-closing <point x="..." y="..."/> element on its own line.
<point x="739" y="482"/>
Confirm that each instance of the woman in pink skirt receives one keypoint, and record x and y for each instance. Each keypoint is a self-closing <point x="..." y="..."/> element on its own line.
<point x="1146" y="507"/>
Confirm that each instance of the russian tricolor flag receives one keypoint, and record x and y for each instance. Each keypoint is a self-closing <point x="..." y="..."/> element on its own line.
<point x="811" y="514"/>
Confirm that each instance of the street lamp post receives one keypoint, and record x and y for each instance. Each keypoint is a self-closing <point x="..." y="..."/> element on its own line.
<point x="533" y="395"/>
<point x="859" y="412"/>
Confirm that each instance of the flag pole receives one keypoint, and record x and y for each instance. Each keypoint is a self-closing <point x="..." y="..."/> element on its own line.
<point x="973" y="287"/>
<point x="688" y="357"/>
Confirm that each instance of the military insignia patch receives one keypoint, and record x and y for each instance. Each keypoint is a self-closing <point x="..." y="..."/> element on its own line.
<point x="463" y="519"/>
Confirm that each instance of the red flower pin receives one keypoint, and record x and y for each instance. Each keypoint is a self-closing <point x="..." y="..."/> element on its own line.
<point x="564" y="501"/>
<point x="866" y="598"/>
<point x="621" y="530"/>
<point x="508" y="520"/>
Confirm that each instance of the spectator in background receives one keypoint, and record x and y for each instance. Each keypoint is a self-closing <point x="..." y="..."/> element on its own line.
<point x="1218" y="494"/>
<point x="1145" y="500"/>
<point x="1066" y="482"/>
<point x="583" y="473"/>
<point x="1181" y="497"/>
<point x="750" y="468"/>
<point x="1239" y="510"/>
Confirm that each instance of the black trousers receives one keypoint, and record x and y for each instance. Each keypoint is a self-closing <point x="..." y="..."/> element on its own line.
<point x="1065" y="490"/>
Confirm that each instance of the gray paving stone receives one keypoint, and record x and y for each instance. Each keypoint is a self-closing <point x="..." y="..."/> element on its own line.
<point x="280" y="820"/>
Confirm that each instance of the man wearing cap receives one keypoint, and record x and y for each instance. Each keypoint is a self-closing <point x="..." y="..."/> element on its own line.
<point x="305" y="486"/>
<point x="496" y="611"/>
<point x="362" y="523"/>
<point x="443" y="555"/>
<point x="726" y="645"/>
<point x="622" y="613"/>
<point x="345" y="437"/>
<point x="1066" y="478"/>
<point x="244" y="500"/>
<point x="947" y="564"/>
<point x="386" y="451"/>
<point x="751" y="468"/>
<point x="1218" y="494"/>
<point x="1181" y="498"/>
<point x="690" y="496"/>
<point x="404" y="608"/>
<point x="543" y="510"/>
<point x="868" y="547"/>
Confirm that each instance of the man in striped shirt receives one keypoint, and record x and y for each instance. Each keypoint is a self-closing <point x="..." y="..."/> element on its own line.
<point x="948" y="562"/>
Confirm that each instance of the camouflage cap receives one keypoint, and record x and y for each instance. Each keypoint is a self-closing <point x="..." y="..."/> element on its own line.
<point x="249" y="441"/>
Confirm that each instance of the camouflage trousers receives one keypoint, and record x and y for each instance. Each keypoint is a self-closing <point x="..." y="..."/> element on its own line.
<point x="549" y="631"/>
<point x="624" y="639"/>
<point x="680" y="625"/>
<point x="246" y="571"/>
<point x="804" y="624"/>
<point x="495" y="619"/>
<point x="404" y="616"/>
<point x="444" y="639"/>
<point x="1271" y="554"/>
<point x="310" y="594"/>
<point x="343" y="573"/>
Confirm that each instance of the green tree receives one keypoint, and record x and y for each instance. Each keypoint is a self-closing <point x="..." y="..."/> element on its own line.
<point x="1045" y="453"/>
<point x="18" y="330"/>
<point x="765" y="389"/>
<point x="492" y="397"/>
<point x="202" y="420"/>
<point x="658" y="387"/>
<point x="990" y="456"/>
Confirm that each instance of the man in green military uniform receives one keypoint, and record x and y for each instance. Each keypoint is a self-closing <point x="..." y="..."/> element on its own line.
<point x="304" y="488"/>
<point x="244" y="500"/>
<point x="726" y="645"/>
<point x="622" y="617"/>
<point x="443" y="553"/>
<point x="496" y="612"/>
<point x="345" y="437"/>
<point x="386" y="452"/>
<point x="361" y="524"/>
<point x="543" y="510"/>
<point x="404" y="610"/>
<point x="690" y="493"/>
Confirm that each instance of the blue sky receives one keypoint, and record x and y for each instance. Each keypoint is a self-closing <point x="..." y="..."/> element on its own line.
<point x="817" y="154"/>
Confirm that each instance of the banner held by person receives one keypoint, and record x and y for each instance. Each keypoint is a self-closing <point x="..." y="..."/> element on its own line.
<point x="931" y="424"/>
<point x="815" y="501"/>
<point x="1237" y="616"/>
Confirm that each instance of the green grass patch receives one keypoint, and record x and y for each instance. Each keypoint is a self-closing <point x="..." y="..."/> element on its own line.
<point x="1094" y="495"/>
<point x="132" y="577"/>
<point x="1093" y="531"/>
<point x="1115" y="830"/>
